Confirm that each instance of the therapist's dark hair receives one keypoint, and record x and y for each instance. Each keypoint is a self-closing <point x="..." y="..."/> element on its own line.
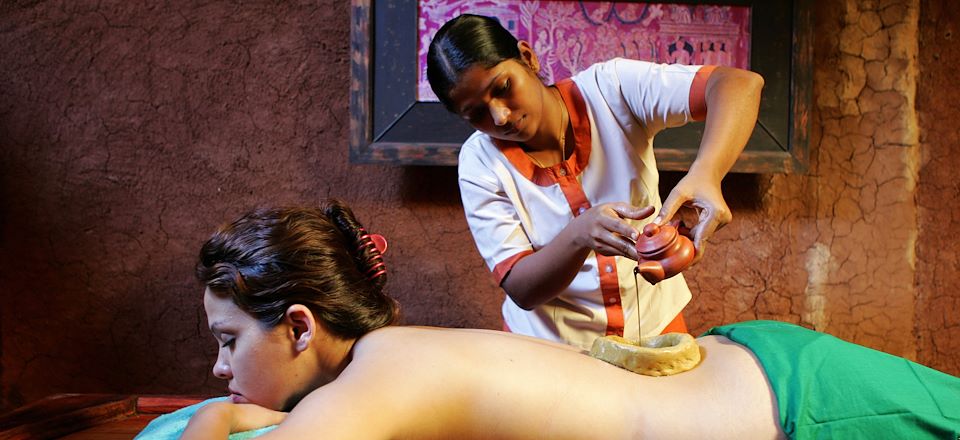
<point x="462" y="42"/>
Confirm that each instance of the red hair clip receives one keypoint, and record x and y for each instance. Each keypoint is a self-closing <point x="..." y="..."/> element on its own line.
<point x="380" y="244"/>
<point x="382" y="270"/>
<point x="375" y="240"/>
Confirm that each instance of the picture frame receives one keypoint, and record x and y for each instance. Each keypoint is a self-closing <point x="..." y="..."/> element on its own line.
<point x="389" y="126"/>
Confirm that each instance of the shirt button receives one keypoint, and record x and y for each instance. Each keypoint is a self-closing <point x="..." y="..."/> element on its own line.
<point x="609" y="268"/>
<point x="563" y="172"/>
<point x="612" y="300"/>
<point x="581" y="210"/>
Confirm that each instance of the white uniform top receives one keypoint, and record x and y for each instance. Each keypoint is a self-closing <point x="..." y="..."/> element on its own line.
<point x="514" y="207"/>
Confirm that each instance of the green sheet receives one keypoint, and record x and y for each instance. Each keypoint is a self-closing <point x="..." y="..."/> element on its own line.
<point x="827" y="388"/>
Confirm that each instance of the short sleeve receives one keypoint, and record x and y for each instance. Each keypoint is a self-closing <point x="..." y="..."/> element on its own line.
<point x="491" y="215"/>
<point x="659" y="95"/>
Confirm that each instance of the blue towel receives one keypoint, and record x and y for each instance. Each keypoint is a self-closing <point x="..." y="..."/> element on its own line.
<point x="171" y="426"/>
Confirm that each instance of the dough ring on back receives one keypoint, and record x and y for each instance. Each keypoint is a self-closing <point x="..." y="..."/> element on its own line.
<point x="661" y="355"/>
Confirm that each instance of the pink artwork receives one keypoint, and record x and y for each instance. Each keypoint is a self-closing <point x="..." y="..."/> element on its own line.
<point x="571" y="35"/>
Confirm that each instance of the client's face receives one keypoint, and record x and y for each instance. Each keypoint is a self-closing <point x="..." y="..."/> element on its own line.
<point x="258" y="362"/>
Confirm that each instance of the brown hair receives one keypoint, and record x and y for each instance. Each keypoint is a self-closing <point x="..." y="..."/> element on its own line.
<point x="272" y="258"/>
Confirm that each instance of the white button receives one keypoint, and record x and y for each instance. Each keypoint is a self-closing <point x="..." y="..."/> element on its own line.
<point x="609" y="268"/>
<point x="612" y="301"/>
<point x="581" y="210"/>
<point x="563" y="172"/>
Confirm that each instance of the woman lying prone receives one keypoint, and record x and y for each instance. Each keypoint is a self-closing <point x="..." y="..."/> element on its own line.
<point x="295" y="299"/>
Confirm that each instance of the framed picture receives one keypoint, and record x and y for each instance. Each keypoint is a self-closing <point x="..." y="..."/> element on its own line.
<point x="395" y="119"/>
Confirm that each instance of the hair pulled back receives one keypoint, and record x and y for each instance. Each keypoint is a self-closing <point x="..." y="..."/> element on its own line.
<point x="462" y="42"/>
<point x="272" y="258"/>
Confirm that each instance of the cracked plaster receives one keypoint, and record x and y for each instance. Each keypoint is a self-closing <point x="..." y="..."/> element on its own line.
<point x="848" y="248"/>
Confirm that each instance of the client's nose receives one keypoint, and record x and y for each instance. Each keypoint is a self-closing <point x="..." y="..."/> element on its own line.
<point x="221" y="370"/>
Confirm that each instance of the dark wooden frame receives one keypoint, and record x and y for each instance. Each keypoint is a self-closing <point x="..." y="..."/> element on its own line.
<point x="388" y="125"/>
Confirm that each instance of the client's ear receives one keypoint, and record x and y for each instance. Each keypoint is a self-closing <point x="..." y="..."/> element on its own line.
<point x="303" y="326"/>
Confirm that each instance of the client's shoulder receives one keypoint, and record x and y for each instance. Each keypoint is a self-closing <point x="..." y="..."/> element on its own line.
<point x="403" y="341"/>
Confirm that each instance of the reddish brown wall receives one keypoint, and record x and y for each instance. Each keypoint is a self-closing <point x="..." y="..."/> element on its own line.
<point x="938" y="194"/>
<point x="861" y="246"/>
<point x="127" y="133"/>
<point x="833" y="249"/>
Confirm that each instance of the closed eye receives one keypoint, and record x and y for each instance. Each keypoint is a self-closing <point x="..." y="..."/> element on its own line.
<point x="228" y="343"/>
<point x="503" y="88"/>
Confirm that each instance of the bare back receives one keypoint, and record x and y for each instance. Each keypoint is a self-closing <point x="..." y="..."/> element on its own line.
<point x="408" y="382"/>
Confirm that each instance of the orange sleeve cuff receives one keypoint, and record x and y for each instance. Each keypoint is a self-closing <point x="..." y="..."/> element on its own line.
<point x="698" y="93"/>
<point x="503" y="268"/>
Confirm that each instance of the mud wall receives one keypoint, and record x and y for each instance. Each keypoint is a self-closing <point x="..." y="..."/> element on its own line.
<point x="937" y="328"/>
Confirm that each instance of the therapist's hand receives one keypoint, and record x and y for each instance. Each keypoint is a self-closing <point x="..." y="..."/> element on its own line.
<point x="605" y="229"/>
<point x="703" y="195"/>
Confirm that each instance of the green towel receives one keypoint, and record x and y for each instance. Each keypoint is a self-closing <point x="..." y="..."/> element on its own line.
<point x="827" y="388"/>
<point x="171" y="426"/>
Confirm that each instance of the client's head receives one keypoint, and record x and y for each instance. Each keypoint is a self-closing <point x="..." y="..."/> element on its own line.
<point x="284" y="287"/>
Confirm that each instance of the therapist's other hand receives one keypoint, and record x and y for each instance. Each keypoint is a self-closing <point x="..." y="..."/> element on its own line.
<point x="703" y="196"/>
<point x="605" y="229"/>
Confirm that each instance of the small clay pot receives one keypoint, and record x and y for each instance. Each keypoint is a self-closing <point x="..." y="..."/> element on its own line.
<point x="663" y="251"/>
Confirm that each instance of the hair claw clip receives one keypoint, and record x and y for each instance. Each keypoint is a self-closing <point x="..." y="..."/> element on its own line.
<point x="380" y="242"/>
<point x="375" y="240"/>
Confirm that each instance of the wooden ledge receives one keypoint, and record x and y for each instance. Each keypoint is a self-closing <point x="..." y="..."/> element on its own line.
<point x="64" y="414"/>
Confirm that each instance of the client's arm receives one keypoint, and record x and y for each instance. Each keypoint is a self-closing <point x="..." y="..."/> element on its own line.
<point x="220" y="419"/>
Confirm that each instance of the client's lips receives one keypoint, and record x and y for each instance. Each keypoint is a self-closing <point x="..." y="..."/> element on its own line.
<point x="236" y="397"/>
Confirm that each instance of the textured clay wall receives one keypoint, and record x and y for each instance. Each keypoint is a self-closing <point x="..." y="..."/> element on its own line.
<point x="834" y="249"/>
<point x="938" y="188"/>
<point x="859" y="246"/>
<point x="127" y="133"/>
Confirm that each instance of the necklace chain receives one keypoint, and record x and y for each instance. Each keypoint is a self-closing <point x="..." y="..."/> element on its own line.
<point x="563" y="133"/>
